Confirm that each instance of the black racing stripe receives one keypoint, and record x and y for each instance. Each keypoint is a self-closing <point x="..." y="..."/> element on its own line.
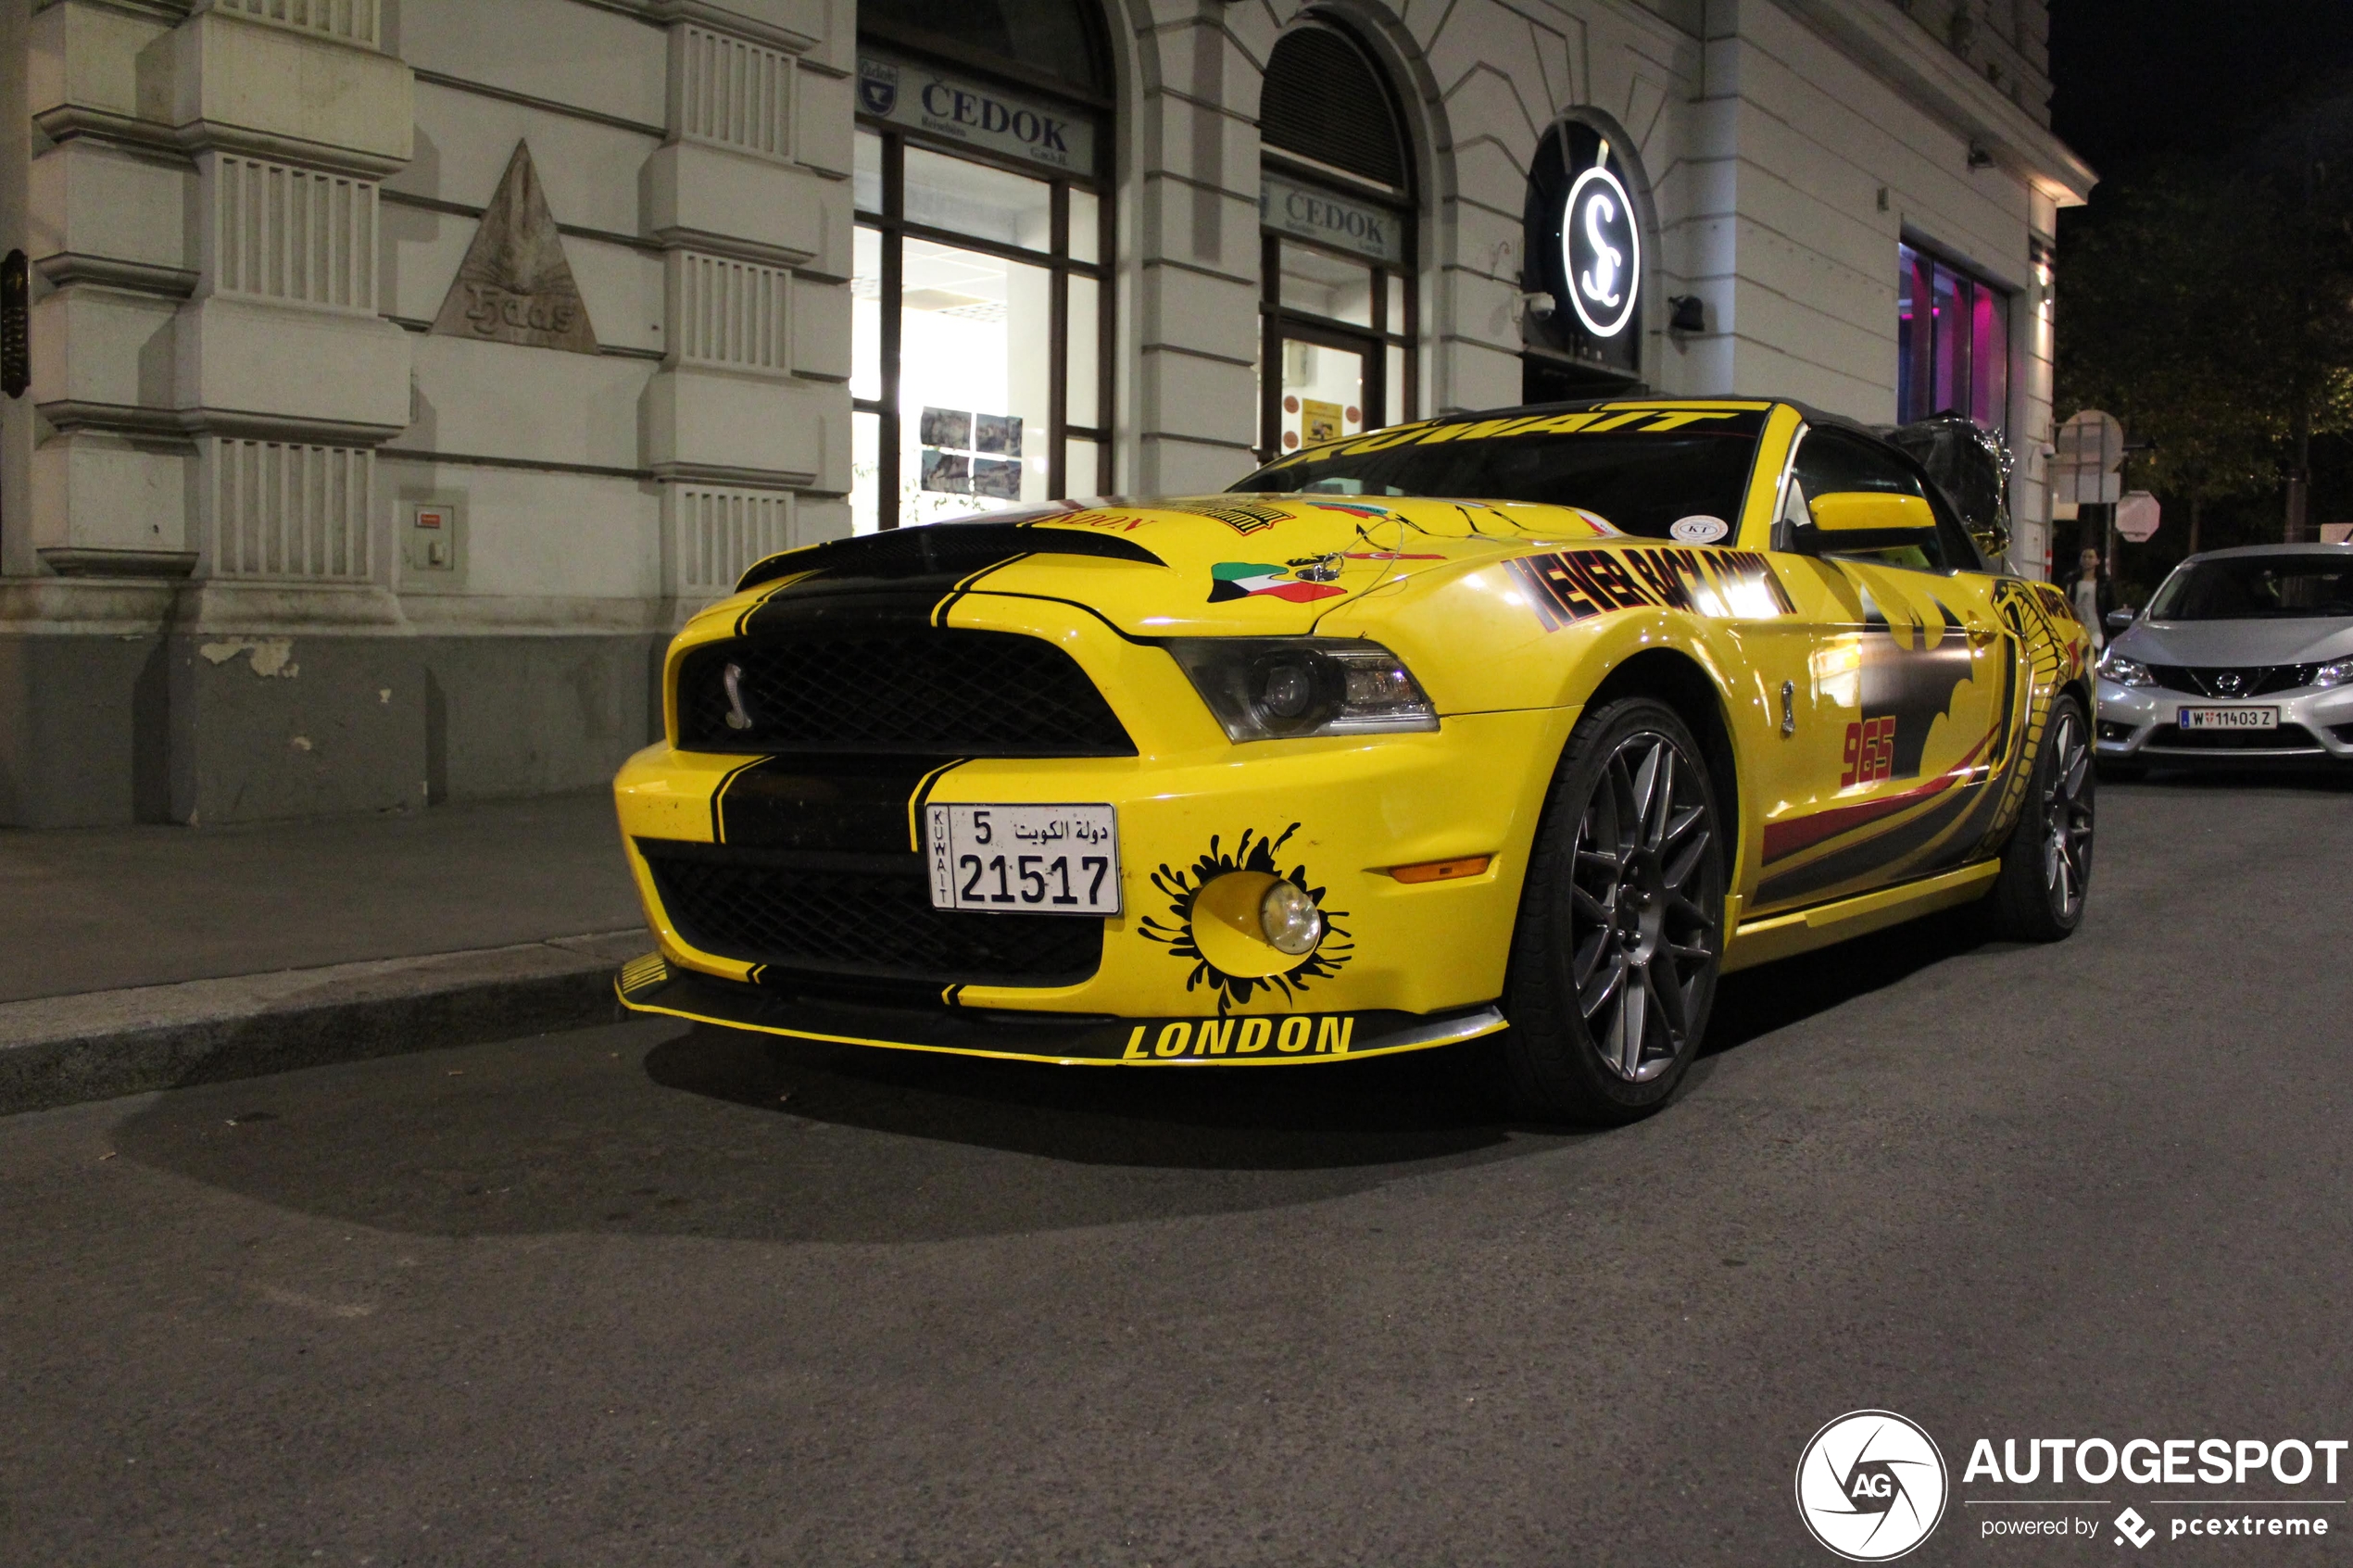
<point x="921" y="795"/>
<point x="935" y="550"/>
<point x="964" y="586"/>
<point x="1871" y="856"/>
<point x="718" y="794"/>
<point x="813" y="801"/>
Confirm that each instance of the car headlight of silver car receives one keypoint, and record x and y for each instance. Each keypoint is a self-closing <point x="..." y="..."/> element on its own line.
<point x="1268" y="688"/>
<point x="2125" y="671"/>
<point x="2336" y="672"/>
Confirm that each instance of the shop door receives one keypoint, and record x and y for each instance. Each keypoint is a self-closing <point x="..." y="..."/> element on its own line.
<point x="1324" y="388"/>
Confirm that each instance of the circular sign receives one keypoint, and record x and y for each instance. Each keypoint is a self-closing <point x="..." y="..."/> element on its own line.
<point x="1697" y="529"/>
<point x="1601" y="249"/>
<point x="1872" y="1486"/>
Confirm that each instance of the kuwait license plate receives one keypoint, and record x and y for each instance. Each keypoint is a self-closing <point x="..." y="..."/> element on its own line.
<point x="2229" y="719"/>
<point x="1025" y="860"/>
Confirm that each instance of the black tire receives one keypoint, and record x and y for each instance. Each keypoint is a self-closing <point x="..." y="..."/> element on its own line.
<point x="2046" y="866"/>
<point x="1620" y="932"/>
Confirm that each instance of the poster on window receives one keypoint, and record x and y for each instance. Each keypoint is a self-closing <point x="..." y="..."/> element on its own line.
<point x="948" y="427"/>
<point x="1318" y="421"/>
<point x="997" y="434"/>
<point x="949" y="473"/>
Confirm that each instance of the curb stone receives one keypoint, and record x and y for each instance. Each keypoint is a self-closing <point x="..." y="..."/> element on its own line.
<point x="61" y="1050"/>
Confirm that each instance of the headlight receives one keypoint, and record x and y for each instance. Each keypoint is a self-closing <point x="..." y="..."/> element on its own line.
<point x="2125" y="671"/>
<point x="2336" y="672"/>
<point x="1263" y="688"/>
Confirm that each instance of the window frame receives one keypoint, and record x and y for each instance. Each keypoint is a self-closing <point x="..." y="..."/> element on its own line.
<point x="894" y="229"/>
<point x="1278" y="321"/>
<point x="1916" y="366"/>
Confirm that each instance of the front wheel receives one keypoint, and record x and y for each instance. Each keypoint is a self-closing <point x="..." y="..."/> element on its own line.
<point x="2046" y="868"/>
<point x="1620" y="932"/>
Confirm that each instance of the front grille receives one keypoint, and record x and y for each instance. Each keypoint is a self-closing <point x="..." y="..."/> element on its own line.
<point x="858" y="918"/>
<point x="2287" y="737"/>
<point x="897" y="693"/>
<point x="2252" y="680"/>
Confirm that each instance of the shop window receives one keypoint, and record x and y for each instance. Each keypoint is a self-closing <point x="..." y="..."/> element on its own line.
<point x="1952" y="343"/>
<point x="1337" y="313"/>
<point x="979" y="315"/>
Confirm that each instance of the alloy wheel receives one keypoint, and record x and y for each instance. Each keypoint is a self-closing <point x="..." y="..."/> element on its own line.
<point x="2066" y="819"/>
<point x="1642" y="937"/>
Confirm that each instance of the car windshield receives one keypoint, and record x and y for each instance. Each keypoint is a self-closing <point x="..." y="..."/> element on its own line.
<point x="1640" y="471"/>
<point x="2257" y="588"/>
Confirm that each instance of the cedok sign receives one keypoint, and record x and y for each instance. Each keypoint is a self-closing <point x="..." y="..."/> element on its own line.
<point x="968" y="111"/>
<point x="1601" y="250"/>
<point x="1373" y="233"/>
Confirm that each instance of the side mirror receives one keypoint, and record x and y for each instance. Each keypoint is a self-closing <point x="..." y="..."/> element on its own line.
<point x="2120" y="618"/>
<point x="1856" y="520"/>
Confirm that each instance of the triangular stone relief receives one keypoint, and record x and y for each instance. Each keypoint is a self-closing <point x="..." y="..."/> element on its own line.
<point x="515" y="285"/>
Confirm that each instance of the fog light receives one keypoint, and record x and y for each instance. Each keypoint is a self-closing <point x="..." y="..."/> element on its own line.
<point x="1290" y="918"/>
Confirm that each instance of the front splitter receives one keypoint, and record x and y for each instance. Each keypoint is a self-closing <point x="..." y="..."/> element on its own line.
<point x="651" y="985"/>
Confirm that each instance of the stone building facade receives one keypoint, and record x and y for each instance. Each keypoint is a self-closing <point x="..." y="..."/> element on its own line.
<point x="402" y="371"/>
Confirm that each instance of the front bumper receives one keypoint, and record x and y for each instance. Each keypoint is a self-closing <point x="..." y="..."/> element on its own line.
<point x="2138" y="723"/>
<point x="1403" y="966"/>
<point x="650" y="985"/>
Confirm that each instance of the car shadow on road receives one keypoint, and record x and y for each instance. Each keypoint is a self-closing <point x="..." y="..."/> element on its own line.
<point x="651" y="1129"/>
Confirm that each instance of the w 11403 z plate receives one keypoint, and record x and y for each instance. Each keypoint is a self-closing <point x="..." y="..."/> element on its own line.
<point x="2229" y="717"/>
<point x="1025" y="860"/>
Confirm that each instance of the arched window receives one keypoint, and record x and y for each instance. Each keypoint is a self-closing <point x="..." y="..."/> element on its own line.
<point x="1587" y="248"/>
<point x="1339" y="314"/>
<point x="981" y="303"/>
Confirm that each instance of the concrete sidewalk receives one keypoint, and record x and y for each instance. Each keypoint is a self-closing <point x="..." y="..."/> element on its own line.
<point x="140" y="958"/>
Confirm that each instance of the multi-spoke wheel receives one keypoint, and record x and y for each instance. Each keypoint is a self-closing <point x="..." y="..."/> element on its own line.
<point x="2046" y="869"/>
<point x="1615" y="958"/>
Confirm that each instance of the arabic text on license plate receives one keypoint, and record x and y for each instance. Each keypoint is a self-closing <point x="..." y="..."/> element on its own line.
<point x="1025" y="860"/>
<point x="2230" y="719"/>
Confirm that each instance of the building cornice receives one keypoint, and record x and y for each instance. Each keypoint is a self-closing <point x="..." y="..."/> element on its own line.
<point x="1888" y="43"/>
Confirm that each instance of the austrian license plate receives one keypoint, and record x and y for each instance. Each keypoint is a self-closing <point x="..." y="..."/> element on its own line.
<point x="2229" y="719"/>
<point x="1025" y="860"/>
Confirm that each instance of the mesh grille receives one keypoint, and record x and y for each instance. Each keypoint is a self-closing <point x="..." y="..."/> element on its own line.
<point x="864" y="925"/>
<point x="937" y="693"/>
<point x="2253" y="680"/>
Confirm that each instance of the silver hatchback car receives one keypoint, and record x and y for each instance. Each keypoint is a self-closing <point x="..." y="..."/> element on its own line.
<point x="2243" y="655"/>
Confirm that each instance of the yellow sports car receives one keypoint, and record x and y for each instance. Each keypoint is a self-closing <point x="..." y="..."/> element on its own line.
<point x="1532" y="723"/>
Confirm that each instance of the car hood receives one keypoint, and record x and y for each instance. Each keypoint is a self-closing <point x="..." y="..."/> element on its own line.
<point x="2212" y="643"/>
<point x="1227" y="564"/>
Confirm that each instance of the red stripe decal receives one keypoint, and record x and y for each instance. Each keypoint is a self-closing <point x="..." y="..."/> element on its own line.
<point x="1786" y="837"/>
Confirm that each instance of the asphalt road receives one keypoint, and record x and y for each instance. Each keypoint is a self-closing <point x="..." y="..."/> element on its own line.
<point x="646" y="1295"/>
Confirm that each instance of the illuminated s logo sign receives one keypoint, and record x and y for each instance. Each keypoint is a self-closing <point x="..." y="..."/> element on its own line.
<point x="1601" y="250"/>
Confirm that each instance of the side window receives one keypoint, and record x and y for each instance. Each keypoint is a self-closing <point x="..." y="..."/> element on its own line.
<point x="1832" y="461"/>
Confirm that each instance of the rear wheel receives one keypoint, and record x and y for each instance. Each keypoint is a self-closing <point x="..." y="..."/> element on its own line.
<point x="2046" y="868"/>
<point x="1620" y="932"/>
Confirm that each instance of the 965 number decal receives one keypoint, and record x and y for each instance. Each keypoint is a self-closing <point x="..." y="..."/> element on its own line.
<point x="1870" y="752"/>
<point x="1023" y="860"/>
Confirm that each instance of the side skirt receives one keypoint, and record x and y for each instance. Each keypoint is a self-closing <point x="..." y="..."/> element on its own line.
<point x="1781" y="936"/>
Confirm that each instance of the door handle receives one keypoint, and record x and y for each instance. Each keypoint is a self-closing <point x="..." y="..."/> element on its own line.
<point x="1979" y="633"/>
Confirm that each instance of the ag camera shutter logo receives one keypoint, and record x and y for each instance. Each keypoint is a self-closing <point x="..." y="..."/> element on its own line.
<point x="1872" y="1486"/>
<point x="1602" y="249"/>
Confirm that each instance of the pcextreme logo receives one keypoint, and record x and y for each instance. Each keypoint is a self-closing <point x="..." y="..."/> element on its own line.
<point x="1872" y="1486"/>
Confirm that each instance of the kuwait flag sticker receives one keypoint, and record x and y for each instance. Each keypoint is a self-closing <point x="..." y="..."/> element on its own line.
<point x="1248" y="580"/>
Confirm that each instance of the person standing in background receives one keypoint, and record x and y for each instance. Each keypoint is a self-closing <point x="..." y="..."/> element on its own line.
<point x="2093" y="595"/>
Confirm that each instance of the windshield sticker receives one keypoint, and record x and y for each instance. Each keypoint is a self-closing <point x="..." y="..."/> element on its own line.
<point x="1698" y="528"/>
<point x="1250" y="579"/>
<point x="1575" y="585"/>
<point x="1593" y="422"/>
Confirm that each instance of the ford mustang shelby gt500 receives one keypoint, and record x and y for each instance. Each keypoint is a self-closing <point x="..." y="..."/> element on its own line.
<point x="1533" y="723"/>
